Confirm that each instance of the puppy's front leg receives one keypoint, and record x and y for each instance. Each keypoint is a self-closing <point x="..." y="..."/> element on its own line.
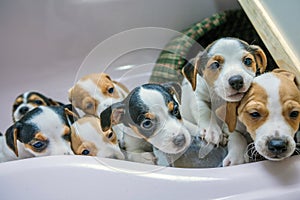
<point x="237" y="146"/>
<point x="206" y="118"/>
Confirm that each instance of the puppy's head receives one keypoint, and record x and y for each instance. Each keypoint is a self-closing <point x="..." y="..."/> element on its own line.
<point x="95" y="92"/>
<point x="228" y="65"/>
<point x="270" y="112"/>
<point x="153" y="114"/>
<point x="87" y="138"/>
<point x="42" y="131"/>
<point x="29" y="100"/>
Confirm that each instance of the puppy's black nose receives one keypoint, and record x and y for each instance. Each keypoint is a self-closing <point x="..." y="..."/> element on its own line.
<point x="277" y="146"/>
<point x="179" y="140"/>
<point x="236" y="82"/>
<point x="23" y="110"/>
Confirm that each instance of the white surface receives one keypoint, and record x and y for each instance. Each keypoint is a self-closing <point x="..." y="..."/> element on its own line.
<point x="42" y="46"/>
<point x="82" y="177"/>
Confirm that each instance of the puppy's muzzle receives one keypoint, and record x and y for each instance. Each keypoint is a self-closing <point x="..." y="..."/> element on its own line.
<point x="277" y="146"/>
<point x="179" y="141"/>
<point x="236" y="82"/>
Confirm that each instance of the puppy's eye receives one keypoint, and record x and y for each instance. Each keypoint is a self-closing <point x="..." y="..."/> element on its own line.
<point x="85" y="152"/>
<point x="147" y="124"/>
<point x="39" y="145"/>
<point x="110" y="90"/>
<point x="15" y="106"/>
<point x="294" y="114"/>
<point x="175" y="112"/>
<point x="38" y="102"/>
<point x="255" y="115"/>
<point x="248" y="61"/>
<point x="215" y="65"/>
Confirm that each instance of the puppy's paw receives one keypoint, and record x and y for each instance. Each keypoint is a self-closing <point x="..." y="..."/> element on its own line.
<point x="212" y="134"/>
<point x="233" y="159"/>
<point x="144" y="157"/>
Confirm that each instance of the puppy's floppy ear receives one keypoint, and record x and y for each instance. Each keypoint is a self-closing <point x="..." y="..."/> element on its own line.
<point x="260" y="57"/>
<point x="89" y="105"/>
<point x="287" y="74"/>
<point x="228" y="114"/>
<point x="11" y="136"/>
<point x="112" y="116"/>
<point x="174" y="89"/>
<point x="70" y="91"/>
<point x="71" y="113"/>
<point x="189" y="71"/>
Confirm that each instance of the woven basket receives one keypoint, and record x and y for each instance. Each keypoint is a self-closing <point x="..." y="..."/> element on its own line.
<point x="179" y="50"/>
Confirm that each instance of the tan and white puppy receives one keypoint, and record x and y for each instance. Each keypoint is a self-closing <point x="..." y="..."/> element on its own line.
<point x="95" y="92"/>
<point x="151" y="115"/>
<point x="87" y="138"/>
<point x="223" y="72"/>
<point x="43" y="131"/>
<point x="270" y="113"/>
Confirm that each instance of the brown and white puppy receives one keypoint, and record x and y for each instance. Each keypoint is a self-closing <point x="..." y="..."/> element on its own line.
<point x="151" y="115"/>
<point x="223" y="72"/>
<point x="43" y="131"/>
<point x="95" y="92"/>
<point x="270" y="113"/>
<point x="29" y="100"/>
<point x="87" y="138"/>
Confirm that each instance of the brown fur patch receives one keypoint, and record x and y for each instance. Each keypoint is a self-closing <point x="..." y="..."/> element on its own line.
<point x="171" y="106"/>
<point x="289" y="98"/>
<point x="209" y="74"/>
<point x="40" y="136"/>
<point x="254" y="101"/>
<point x="150" y="115"/>
<point x="35" y="97"/>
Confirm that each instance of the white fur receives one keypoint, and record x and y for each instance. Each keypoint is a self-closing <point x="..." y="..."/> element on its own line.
<point x="276" y="125"/>
<point x="105" y="149"/>
<point x="168" y="127"/>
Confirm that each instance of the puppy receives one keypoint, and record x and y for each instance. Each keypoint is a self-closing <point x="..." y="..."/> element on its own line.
<point x="43" y="131"/>
<point x="270" y="113"/>
<point x="223" y="72"/>
<point x="95" y="92"/>
<point x="87" y="138"/>
<point x="150" y="114"/>
<point x="29" y="100"/>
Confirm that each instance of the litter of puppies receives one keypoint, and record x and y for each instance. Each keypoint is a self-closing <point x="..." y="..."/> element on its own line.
<point x="222" y="114"/>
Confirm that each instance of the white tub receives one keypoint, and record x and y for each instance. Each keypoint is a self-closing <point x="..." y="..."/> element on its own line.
<point x="47" y="45"/>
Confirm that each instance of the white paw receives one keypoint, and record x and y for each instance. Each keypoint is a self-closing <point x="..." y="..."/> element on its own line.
<point x="233" y="159"/>
<point x="212" y="134"/>
<point x="144" y="157"/>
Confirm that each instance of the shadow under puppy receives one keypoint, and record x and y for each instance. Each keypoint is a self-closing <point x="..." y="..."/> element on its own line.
<point x="28" y="101"/>
<point x="43" y="131"/>
<point x="269" y="112"/>
<point x="223" y="72"/>
<point x="87" y="138"/>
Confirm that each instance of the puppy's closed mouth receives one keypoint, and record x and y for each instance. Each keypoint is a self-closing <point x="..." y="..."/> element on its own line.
<point x="237" y="95"/>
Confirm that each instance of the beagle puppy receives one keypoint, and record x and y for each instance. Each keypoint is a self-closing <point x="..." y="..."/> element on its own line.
<point x="223" y="72"/>
<point x="95" y="92"/>
<point x="43" y="131"/>
<point x="88" y="139"/>
<point x="29" y="100"/>
<point x="269" y="112"/>
<point x="150" y="114"/>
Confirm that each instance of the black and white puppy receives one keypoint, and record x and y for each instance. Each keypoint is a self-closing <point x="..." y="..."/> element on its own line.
<point x="43" y="131"/>
<point x="29" y="100"/>
<point x="151" y="114"/>
<point x="223" y="72"/>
